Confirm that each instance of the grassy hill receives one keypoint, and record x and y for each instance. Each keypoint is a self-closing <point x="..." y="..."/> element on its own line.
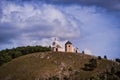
<point x="55" y="66"/>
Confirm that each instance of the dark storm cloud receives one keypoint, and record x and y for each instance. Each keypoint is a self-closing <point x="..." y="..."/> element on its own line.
<point x="7" y="33"/>
<point x="87" y="22"/>
<point x="37" y="31"/>
<point x="37" y="28"/>
<point x="108" y="4"/>
<point x="10" y="33"/>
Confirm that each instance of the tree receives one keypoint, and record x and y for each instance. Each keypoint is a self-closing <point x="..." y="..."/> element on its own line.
<point x="53" y="78"/>
<point x="4" y="58"/>
<point x="105" y="57"/>
<point x="91" y="65"/>
<point x="113" y="70"/>
<point x="16" y="54"/>
<point x="83" y="52"/>
<point x="8" y="54"/>
<point x="99" y="57"/>
<point x="117" y="60"/>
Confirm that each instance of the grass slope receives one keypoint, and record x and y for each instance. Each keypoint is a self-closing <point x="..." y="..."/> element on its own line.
<point x="40" y="66"/>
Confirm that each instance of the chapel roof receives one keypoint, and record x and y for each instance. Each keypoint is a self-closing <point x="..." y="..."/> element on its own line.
<point x="68" y="42"/>
<point x="58" y="46"/>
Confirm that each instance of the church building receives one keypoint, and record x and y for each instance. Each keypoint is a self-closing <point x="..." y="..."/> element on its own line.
<point x="68" y="47"/>
<point x="55" y="46"/>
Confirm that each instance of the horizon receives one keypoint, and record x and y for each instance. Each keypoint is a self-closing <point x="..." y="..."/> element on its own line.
<point x="93" y="25"/>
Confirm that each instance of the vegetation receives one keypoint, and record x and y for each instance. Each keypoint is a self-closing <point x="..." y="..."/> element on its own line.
<point x="105" y="57"/>
<point x="9" y="54"/>
<point x="91" y="65"/>
<point x="83" y="52"/>
<point x="99" y="57"/>
<point x="117" y="60"/>
<point x="108" y="75"/>
<point x="59" y="66"/>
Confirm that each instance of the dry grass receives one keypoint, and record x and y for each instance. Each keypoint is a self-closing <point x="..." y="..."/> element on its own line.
<point x="39" y="65"/>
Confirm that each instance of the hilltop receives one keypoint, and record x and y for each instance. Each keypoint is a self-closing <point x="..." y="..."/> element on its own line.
<point x="57" y="66"/>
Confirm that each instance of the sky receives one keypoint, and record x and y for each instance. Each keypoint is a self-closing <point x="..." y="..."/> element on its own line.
<point x="91" y="25"/>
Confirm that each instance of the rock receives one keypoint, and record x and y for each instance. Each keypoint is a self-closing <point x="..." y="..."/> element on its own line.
<point x="48" y="57"/>
<point x="55" y="62"/>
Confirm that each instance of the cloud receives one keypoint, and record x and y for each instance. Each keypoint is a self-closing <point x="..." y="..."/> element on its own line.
<point x="86" y="23"/>
<point x="29" y="24"/>
<point x="108" y="4"/>
<point x="86" y="51"/>
<point x="7" y="32"/>
<point x="99" y="30"/>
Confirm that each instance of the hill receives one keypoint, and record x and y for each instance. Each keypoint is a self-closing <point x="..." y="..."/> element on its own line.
<point x="58" y="66"/>
<point x="9" y="54"/>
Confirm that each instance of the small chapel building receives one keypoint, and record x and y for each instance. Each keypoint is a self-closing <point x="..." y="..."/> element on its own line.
<point x="55" y="47"/>
<point x="68" y="47"/>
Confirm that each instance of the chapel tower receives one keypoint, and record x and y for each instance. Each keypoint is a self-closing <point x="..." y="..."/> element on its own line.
<point x="68" y="46"/>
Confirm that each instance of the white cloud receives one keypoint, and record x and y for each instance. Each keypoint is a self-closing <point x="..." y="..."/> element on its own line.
<point x="99" y="29"/>
<point x="87" y="51"/>
<point x="38" y="23"/>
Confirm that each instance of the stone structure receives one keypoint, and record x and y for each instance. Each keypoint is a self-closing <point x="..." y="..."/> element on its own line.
<point x="68" y="46"/>
<point x="76" y="50"/>
<point x="55" y="47"/>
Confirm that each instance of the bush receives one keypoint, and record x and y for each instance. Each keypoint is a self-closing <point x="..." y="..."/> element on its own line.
<point x="99" y="57"/>
<point x="91" y="65"/>
<point x="83" y="52"/>
<point x="105" y="57"/>
<point x="4" y="58"/>
<point x="9" y="54"/>
<point x="117" y="60"/>
<point x="66" y="78"/>
<point x="70" y="69"/>
<point x="53" y="78"/>
<point x="15" y="54"/>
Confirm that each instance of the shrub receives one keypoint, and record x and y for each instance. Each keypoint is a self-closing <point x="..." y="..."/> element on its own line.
<point x="99" y="57"/>
<point x="70" y="69"/>
<point x="117" y="60"/>
<point x="9" y="54"/>
<point x="83" y="52"/>
<point x="4" y="58"/>
<point x="91" y="65"/>
<point x="53" y="78"/>
<point x="105" y="57"/>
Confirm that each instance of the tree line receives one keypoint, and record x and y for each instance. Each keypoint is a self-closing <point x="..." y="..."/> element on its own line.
<point x="9" y="54"/>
